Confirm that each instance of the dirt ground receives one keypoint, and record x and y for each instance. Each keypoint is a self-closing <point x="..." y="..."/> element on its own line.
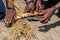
<point x="49" y="31"/>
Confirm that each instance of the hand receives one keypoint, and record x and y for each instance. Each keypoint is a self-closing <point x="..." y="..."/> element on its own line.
<point x="29" y="8"/>
<point x="9" y="16"/>
<point x="47" y="14"/>
<point x="39" y="7"/>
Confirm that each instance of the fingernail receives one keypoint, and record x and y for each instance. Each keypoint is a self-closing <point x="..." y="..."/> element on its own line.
<point x="6" y="22"/>
<point x="9" y="21"/>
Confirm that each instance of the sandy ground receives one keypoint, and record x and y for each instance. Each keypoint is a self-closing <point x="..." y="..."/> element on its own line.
<point x="49" y="31"/>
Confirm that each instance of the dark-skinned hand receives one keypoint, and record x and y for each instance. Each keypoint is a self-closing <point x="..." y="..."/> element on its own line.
<point x="29" y="7"/>
<point x="47" y="14"/>
<point x="9" y="16"/>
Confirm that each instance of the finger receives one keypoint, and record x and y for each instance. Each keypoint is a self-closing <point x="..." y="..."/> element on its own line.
<point x="48" y="17"/>
<point x="27" y="10"/>
<point x="41" y="8"/>
<point x="15" y="16"/>
<point x="41" y="17"/>
<point x="46" y="20"/>
<point x="9" y="16"/>
<point x="10" y="20"/>
<point x="6" y="19"/>
<point x="29" y="7"/>
<point x="44" y="17"/>
<point x="37" y="8"/>
<point x="41" y="12"/>
<point x="32" y="10"/>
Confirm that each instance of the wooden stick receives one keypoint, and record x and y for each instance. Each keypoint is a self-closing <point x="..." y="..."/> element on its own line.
<point x="26" y="15"/>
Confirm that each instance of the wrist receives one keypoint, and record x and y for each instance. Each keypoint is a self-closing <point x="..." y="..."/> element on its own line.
<point x="52" y="9"/>
<point x="9" y="4"/>
<point x="58" y="4"/>
<point x="55" y="7"/>
<point x="33" y="1"/>
<point x="11" y="11"/>
<point x="10" y="8"/>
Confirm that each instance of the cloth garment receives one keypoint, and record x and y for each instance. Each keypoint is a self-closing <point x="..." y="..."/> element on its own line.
<point x="2" y="10"/>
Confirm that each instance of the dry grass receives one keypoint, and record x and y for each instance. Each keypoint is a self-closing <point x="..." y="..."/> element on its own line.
<point x="22" y="27"/>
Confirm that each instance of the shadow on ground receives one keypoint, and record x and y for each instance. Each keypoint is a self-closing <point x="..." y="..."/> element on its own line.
<point x="46" y="28"/>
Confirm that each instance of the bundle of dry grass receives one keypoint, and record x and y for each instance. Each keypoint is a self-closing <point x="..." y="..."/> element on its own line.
<point x="22" y="27"/>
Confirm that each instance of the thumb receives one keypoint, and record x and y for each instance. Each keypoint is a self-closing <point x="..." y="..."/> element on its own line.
<point x="42" y="12"/>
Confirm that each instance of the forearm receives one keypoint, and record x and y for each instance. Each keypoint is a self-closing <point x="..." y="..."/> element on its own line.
<point x="58" y="4"/>
<point x="40" y="2"/>
<point x="9" y="5"/>
<point x="56" y="8"/>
